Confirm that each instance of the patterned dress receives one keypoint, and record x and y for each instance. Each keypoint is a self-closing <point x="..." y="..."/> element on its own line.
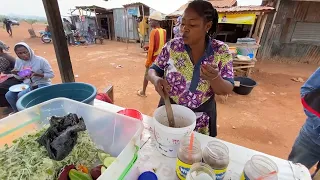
<point x="174" y="64"/>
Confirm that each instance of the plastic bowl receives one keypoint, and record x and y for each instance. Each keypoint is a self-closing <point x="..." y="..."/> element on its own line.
<point x="131" y="113"/>
<point x="25" y="73"/>
<point x="81" y="92"/>
<point x="246" y="85"/>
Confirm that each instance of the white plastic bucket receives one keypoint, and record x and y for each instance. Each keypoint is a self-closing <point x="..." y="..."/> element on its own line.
<point x="167" y="138"/>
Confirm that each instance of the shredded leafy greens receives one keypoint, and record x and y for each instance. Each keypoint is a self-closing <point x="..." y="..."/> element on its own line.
<point x="26" y="159"/>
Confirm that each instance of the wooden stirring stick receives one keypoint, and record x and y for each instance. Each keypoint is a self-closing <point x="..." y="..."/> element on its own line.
<point x="169" y="111"/>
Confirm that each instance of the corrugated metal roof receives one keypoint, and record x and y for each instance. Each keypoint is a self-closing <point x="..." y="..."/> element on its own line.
<point x="161" y="6"/>
<point x="180" y="11"/>
<point x="223" y="3"/>
<point x="245" y="8"/>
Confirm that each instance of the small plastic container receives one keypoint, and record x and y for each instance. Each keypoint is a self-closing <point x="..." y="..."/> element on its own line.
<point x="251" y="55"/>
<point x="201" y="171"/>
<point x="260" y="168"/>
<point x="187" y="157"/>
<point x="148" y="176"/>
<point x="216" y="155"/>
<point x="131" y="113"/>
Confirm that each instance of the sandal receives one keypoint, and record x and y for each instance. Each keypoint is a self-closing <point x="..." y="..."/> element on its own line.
<point x="139" y="93"/>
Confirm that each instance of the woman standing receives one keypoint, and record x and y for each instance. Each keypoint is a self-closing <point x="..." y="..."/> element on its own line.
<point x="6" y="79"/>
<point x="41" y="72"/>
<point x="194" y="68"/>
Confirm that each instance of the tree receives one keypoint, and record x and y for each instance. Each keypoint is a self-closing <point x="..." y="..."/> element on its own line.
<point x="31" y="22"/>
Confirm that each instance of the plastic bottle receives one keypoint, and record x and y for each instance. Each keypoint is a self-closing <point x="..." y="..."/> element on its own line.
<point x="201" y="171"/>
<point x="216" y="155"/>
<point x="187" y="156"/>
<point x="260" y="168"/>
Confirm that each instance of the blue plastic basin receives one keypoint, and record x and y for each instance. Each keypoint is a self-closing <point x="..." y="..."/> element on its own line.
<point x="81" y="92"/>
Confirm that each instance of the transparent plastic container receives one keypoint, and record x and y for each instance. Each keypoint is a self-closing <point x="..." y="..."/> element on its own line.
<point x="216" y="155"/>
<point x="201" y="171"/>
<point x="114" y="133"/>
<point x="186" y="157"/>
<point x="261" y="168"/>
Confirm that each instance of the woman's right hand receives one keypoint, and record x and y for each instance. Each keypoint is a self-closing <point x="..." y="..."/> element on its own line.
<point x="161" y="85"/>
<point x="14" y="71"/>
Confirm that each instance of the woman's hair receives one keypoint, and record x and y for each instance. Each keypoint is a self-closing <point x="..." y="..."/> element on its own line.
<point x="205" y="10"/>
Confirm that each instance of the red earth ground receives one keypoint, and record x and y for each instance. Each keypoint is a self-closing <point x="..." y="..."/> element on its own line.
<point x="267" y="120"/>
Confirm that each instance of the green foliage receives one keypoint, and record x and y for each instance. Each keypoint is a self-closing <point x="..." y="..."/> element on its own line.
<point x="28" y="20"/>
<point x="2" y="17"/>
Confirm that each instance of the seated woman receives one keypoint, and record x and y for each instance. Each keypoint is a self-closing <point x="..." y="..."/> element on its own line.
<point x="41" y="76"/>
<point x="6" y="78"/>
<point x="195" y="67"/>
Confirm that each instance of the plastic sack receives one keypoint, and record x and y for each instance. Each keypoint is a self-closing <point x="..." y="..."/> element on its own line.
<point x="61" y="136"/>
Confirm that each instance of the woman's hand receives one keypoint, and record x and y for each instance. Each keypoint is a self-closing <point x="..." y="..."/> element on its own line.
<point x="37" y="75"/>
<point x="14" y="71"/>
<point x="219" y="86"/>
<point x="209" y="72"/>
<point x="160" y="85"/>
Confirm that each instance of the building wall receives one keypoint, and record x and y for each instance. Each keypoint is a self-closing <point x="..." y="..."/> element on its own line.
<point x="280" y="43"/>
<point x="120" y="25"/>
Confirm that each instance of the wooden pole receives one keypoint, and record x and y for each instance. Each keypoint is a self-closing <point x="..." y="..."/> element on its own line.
<point x="256" y="30"/>
<point x="263" y="24"/>
<point x="109" y="27"/>
<point x="145" y="28"/>
<point x="59" y="40"/>
<point x="97" y="24"/>
<point x="171" y="28"/>
<point x="251" y="29"/>
<point x="127" y="27"/>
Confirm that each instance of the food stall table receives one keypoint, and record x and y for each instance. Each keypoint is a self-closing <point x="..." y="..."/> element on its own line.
<point x="150" y="159"/>
<point x="244" y="66"/>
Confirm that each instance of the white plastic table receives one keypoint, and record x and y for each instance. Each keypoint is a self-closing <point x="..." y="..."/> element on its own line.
<point x="150" y="159"/>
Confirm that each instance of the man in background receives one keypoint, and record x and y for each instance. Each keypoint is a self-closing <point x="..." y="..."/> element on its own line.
<point x="143" y="30"/>
<point x="68" y="30"/>
<point x="306" y="149"/>
<point x="156" y="41"/>
<point x="7" y="23"/>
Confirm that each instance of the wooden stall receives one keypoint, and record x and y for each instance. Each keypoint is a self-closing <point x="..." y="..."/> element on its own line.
<point x="238" y="22"/>
<point x="292" y="33"/>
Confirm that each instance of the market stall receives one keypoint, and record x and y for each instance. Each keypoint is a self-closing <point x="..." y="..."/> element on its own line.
<point x="239" y="22"/>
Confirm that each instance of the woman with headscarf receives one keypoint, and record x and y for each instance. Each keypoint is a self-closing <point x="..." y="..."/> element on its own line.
<point x="41" y="76"/>
<point x="176" y="29"/>
<point x="195" y="67"/>
<point x="6" y="78"/>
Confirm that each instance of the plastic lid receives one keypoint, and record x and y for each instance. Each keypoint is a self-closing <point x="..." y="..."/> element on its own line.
<point x="148" y="176"/>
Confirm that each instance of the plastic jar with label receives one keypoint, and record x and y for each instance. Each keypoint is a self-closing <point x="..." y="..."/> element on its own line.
<point x="260" y="167"/>
<point x="187" y="157"/>
<point x="216" y="155"/>
<point x="201" y="171"/>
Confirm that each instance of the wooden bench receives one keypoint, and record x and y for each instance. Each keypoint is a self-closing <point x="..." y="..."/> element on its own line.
<point x="243" y="66"/>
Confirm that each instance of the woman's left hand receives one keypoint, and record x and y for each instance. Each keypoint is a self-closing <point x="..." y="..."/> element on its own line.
<point x="37" y="75"/>
<point x="209" y="72"/>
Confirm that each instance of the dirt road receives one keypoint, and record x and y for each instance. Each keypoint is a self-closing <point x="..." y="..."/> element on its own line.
<point x="267" y="120"/>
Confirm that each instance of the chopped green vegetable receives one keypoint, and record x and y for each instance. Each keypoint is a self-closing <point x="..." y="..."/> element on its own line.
<point x="108" y="161"/>
<point x="78" y="175"/>
<point x="27" y="160"/>
<point x="102" y="156"/>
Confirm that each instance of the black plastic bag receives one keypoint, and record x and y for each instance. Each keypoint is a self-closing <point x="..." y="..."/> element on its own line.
<point x="61" y="136"/>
